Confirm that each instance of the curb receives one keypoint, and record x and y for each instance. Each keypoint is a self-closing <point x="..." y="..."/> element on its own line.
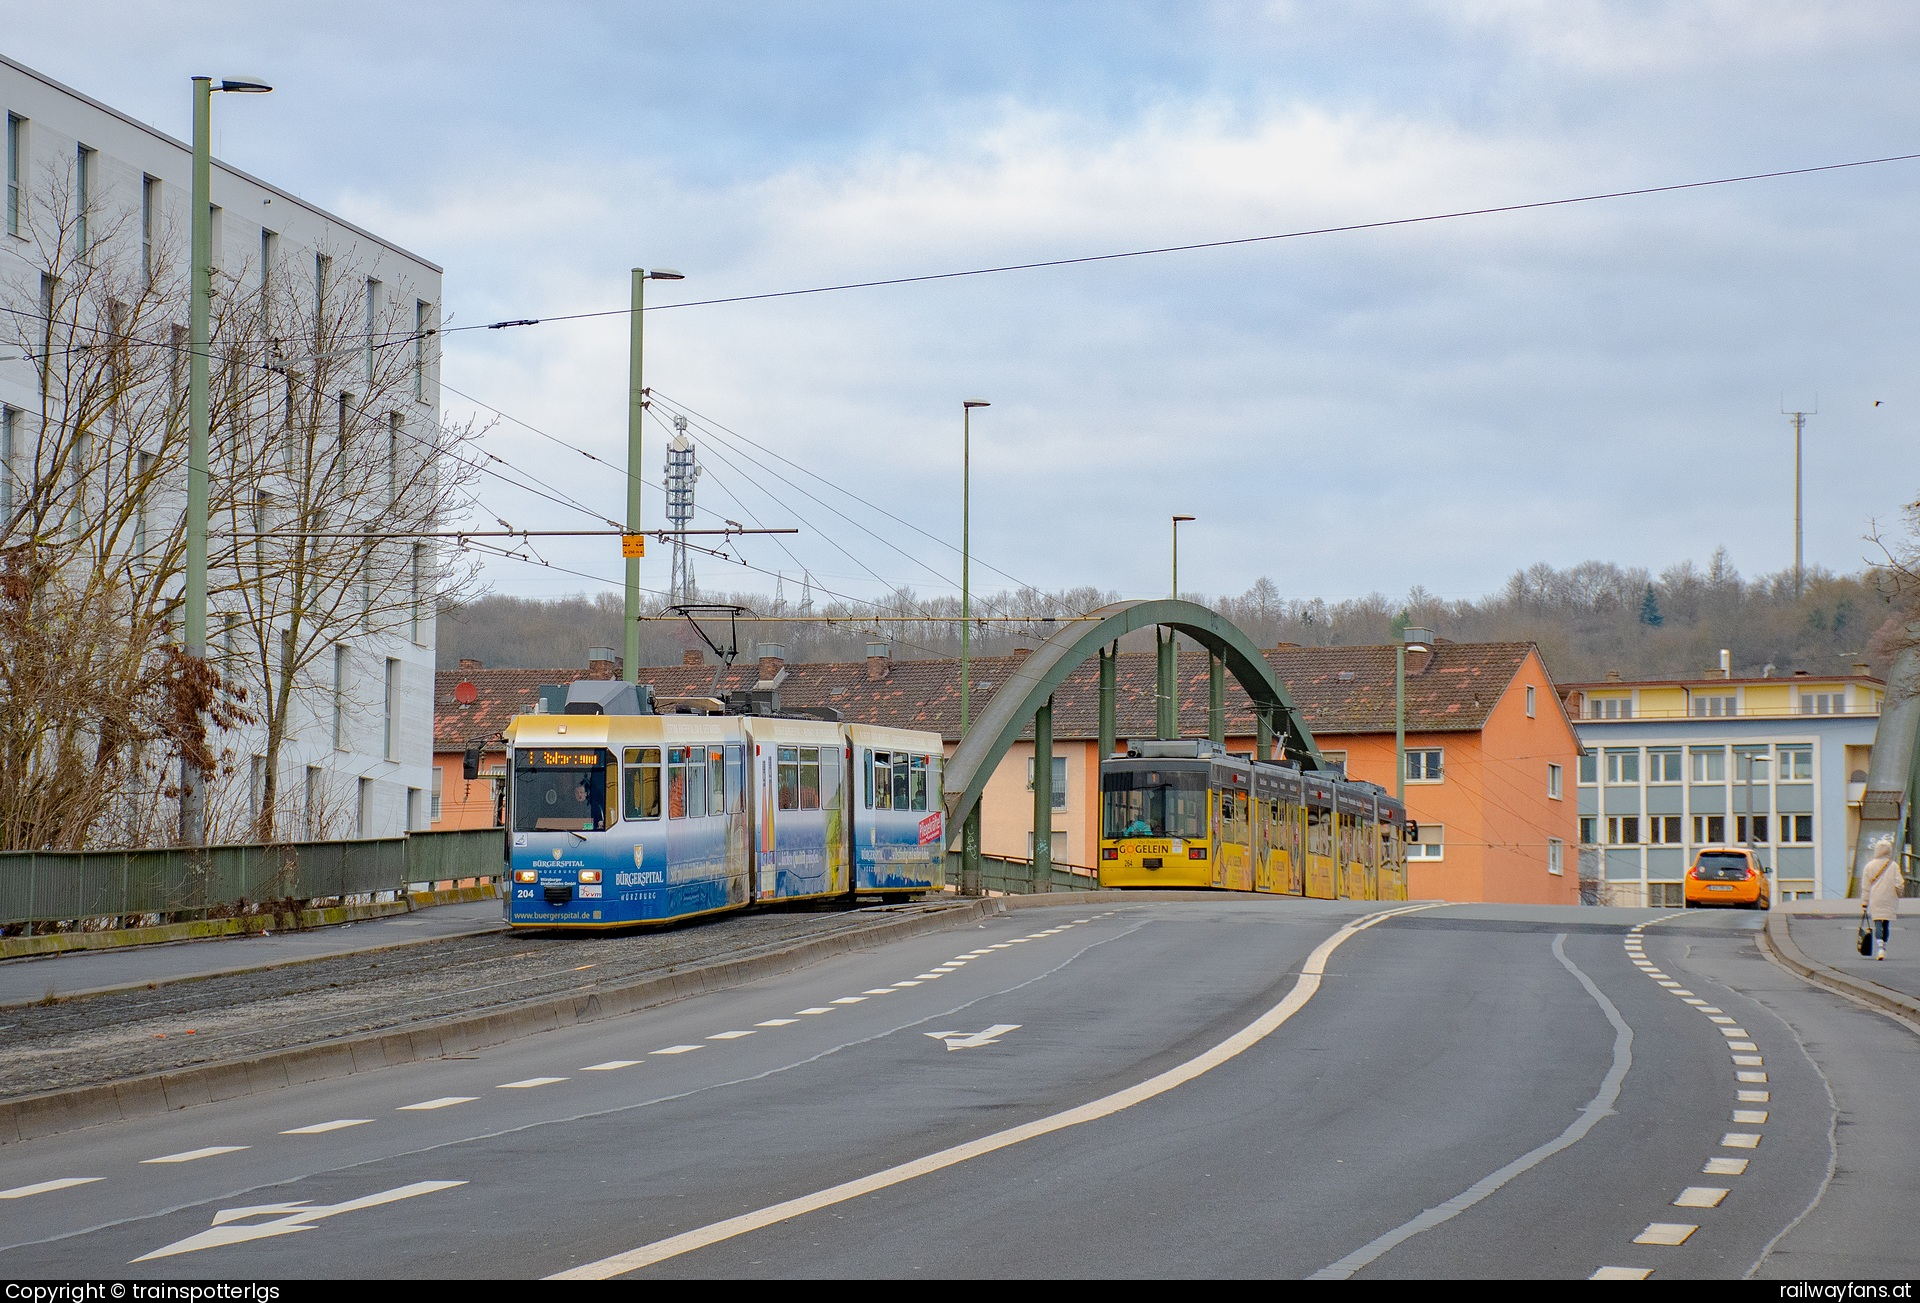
<point x="1777" y="940"/>
<point x="34" y="1116"/>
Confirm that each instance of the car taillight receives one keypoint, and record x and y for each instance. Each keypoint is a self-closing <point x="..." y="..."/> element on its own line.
<point x="589" y="875"/>
<point x="1196" y="852"/>
<point x="526" y="875"/>
<point x="1109" y="852"/>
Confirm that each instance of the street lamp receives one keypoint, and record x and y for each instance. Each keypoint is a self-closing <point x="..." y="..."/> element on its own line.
<point x="970" y="831"/>
<point x="636" y="414"/>
<point x="1420" y="640"/>
<point x="1177" y="521"/>
<point x="193" y="792"/>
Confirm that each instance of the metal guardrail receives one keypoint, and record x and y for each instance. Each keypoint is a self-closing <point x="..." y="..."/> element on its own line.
<point x="53" y="886"/>
<point x="1014" y="877"/>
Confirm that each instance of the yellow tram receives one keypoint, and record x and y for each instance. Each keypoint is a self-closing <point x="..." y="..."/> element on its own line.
<point x="1188" y="814"/>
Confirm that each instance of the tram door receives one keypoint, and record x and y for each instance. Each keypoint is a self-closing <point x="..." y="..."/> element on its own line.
<point x="766" y="800"/>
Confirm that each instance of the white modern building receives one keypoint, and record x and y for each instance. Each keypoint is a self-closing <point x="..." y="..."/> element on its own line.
<point x="357" y="760"/>
<point x="1676" y="764"/>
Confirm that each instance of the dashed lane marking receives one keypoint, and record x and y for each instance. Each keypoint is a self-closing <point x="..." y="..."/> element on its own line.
<point x="1665" y="1233"/>
<point x="906" y="983"/>
<point x="1743" y="1045"/>
<point x="1708" y="1008"/>
<point x="1751" y="1096"/>
<point x="193" y="1155"/>
<point x="1738" y="1033"/>
<point x="928" y="977"/>
<point x="428" y="1105"/>
<point x="321" y="1128"/>
<point x="1000" y="945"/>
<point x="1683" y="991"/>
<point x="1621" y="1273"/>
<point x="777" y="1022"/>
<point x="879" y="990"/>
<point x="1740" y="1140"/>
<point x="1718" y="1018"/>
<point x="1701" y="1196"/>
<point x="1753" y="1117"/>
<point x="816" y="1009"/>
<point x="1696" y="1002"/>
<point x="1725" y="1167"/>
<point x="528" y="1084"/>
<point x="611" y="1065"/>
<point x="678" y="1049"/>
<point x="730" y="1036"/>
<point x="1750" y="1076"/>
<point x="1747" y="1060"/>
<point x="849" y="999"/>
<point x="48" y="1187"/>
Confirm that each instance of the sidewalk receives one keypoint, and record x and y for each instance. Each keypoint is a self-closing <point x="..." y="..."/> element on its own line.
<point x="93" y="972"/>
<point x="1829" y="942"/>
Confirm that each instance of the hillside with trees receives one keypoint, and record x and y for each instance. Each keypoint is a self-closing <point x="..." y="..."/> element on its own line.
<point x="1588" y="619"/>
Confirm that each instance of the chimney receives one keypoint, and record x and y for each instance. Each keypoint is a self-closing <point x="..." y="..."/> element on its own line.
<point x="691" y="656"/>
<point x="878" y="666"/>
<point x="468" y="663"/>
<point x="1862" y="669"/>
<point x="1613" y="676"/>
<point x="1726" y="663"/>
<point x="773" y="664"/>
<point x="603" y="663"/>
<point x="1418" y="660"/>
<point x="1021" y="653"/>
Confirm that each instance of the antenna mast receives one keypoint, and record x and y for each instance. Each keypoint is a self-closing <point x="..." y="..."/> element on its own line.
<point x="1799" y="425"/>
<point x="682" y="471"/>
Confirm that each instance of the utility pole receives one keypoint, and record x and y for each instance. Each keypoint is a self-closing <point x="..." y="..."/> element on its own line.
<point x="1799" y="425"/>
<point x="636" y="415"/>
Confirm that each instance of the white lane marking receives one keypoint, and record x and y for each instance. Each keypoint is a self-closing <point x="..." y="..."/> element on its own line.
<point x="816" y="1009"/>
<point x="1725" y="1167"/>
<point x="319" y="1128"/>
<point x="1019" y="941"/>
<point x="879" y="990"/>
<point x="1752" y="1117"/>
<point x="1707" y="1008"/>
<point x="1681" y="991"/>
<point x="897" y="984"/>
<point x="190" y="1155"/>
<point x="1740" y="1140"/>
<point x="928" y="977"/>
<point x="611" y="1065"/>
<point x="849" y="999"/>
<point x="528" y="1084"/>
<point x="974" y="1040"/>
<point x="1665" y="1233"/>
<point x="1670" y="984"/>
<point x="1738" y="1033"/>
<point x="1741" y="1045"/>
<point x="730" y="1036"/>
<point x="48" y="1187"/>
<point x="297" y="1218"/>
<point x="1600" y="1106"/>
<point x="677" y="1049"/>
<point x="1746" y="1060"/>
<point x="1751" y="1096"/>
<point x="1696" y="1002"/>
<point x="1621" y="1273"/>
<point x="1719" y="1018"/>
<point x="1000" y="945"/>
<point x="1749" y="1076"/>
<point x="1083" y="920"/>
<point x="445" y="1101"/>
<point x="1701" y="1196"/>
<point x="1252" y="1034"/>
<point x="777" y="1022"/>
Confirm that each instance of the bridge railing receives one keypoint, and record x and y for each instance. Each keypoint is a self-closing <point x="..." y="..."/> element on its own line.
<point x="1015" y="876"/>
<point x="59" y="886"/>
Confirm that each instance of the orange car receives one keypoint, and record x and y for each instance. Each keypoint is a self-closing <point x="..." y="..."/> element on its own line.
<point x="1728" y="875"/>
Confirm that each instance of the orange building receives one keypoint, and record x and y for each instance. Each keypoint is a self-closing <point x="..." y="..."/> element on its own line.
<point x="1492" y="755"/>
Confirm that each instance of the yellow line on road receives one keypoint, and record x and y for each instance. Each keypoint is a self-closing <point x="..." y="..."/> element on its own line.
<point x="1244" y="1039"/>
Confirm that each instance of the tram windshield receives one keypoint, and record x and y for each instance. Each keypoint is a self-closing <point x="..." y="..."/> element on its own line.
<point x="556" y="790"/>
<point x="1154" y="804"/>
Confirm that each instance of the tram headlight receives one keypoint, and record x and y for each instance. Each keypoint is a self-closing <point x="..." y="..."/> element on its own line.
<point x="589" y="875"/>
<point x="1109" y="852"/>
<point x="526" y="875"/>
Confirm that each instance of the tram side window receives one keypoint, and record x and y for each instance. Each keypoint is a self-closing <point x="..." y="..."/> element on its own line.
<point x="902" y="782"/>
<point x="789" y="762"/>
<point x="643" y="783"/>
<point x="918" y="792"/>
<point x="879" y="780"/>
<point x="830" y="778"/>
<point x="676" y="782"/>
<point x="696" y="782"/>
<point x="716" y="780"/>
<point x="1319" y="832"/>
<point x="736" y="780"/>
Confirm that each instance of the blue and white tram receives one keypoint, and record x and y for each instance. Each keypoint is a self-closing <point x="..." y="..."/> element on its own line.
<point x="626" y="818"/>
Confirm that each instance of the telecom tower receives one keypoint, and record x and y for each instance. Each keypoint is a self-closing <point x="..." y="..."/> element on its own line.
<point x="682" y="471"/>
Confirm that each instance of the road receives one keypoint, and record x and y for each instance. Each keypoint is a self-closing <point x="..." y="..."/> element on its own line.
<point x="1111" y="1088"/>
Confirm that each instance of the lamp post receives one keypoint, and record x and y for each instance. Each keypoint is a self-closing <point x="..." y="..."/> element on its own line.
<point x="636" y="415"/>
<point x="1410" y="640"/>
<point x="193" y="792"/>
<point x="970" y="831"/>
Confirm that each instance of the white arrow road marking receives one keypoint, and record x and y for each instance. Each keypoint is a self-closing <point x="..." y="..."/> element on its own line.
<point x="974" y="1040"/>
<point x="298" y="1217"/>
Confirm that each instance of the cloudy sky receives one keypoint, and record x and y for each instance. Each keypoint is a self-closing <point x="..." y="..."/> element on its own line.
<point x="1436" y="404"/>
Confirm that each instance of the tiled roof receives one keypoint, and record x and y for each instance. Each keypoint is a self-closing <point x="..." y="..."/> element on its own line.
<point x="1337" y="690"/>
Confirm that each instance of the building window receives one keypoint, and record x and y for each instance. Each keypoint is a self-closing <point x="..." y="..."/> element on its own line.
<point x="142" y="473"/>
<point x="322" y="273"/>
<point x="1823" y="703"/>
<point x="1796" y="764"/>
<point x="1556" y="861"/>
<point x="1589" y="830"/>
<point x="1337" y="759"/>
<point x="82" y="198"/>
<point x="363" y="810"/>
<point x="16" y="167"/>
<point x="1623" y="830"/>
<point x="7" y="418"/>
<point x="1610" y="708"/>
<point x="1530" y="701"/>
<point x="1796" y="827"/>
<point x="1059" y="852"/>
<point x="1751" y="763"/>
<point x="416" y="617"/>
<point x="389" y="719"/>
<point x="340" y="696"/>
<point x="1589" y="768"/>
<point x="413" y="808"/>
<point x="1623" y="765"/>
<point x="1709" y="764"/>
<point x="1709" y="829"/>
<point x="257" y="786"/>
<point x="373" y="323"/>
<point x="1424" y="766"/>
<point x="1666" y="895"/>
<point x="394" y="431"/>
<point x="438" y="795"/>
<point x="314" y="815"/>
<point x="1432" y="844"/>
<point x="149" y="224"/>
<point x="1663" y="829"/>
<point x="1663" y="764"/>
<point x="1759" y="828"/>
<point x="422" y="314"/>
<point x="1714" y="707"/>
<point x="1059" y="780"/>
<point x="1553" y="782"/>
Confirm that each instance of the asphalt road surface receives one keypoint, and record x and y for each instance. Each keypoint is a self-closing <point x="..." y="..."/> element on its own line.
<point x="1252" y="1087"/>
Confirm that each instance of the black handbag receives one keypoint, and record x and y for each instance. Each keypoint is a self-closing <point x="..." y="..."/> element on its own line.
<point x="1864" y="943"/>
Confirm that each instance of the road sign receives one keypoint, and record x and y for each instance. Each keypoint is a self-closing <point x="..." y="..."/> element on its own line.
<point x="974" y="1040"/>
<point x="633" y="545"/>
<point x="296" y="1216"/>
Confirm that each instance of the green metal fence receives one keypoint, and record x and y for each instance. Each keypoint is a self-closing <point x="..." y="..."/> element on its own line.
<point x="1016" y="877"/>
<point x="50" y="886"/>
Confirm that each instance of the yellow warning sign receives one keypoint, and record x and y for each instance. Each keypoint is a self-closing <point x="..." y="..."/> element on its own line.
<point x="633" y="545"/>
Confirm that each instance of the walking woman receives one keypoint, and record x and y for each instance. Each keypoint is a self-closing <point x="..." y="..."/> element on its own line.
<point x="1880" y="893"/>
